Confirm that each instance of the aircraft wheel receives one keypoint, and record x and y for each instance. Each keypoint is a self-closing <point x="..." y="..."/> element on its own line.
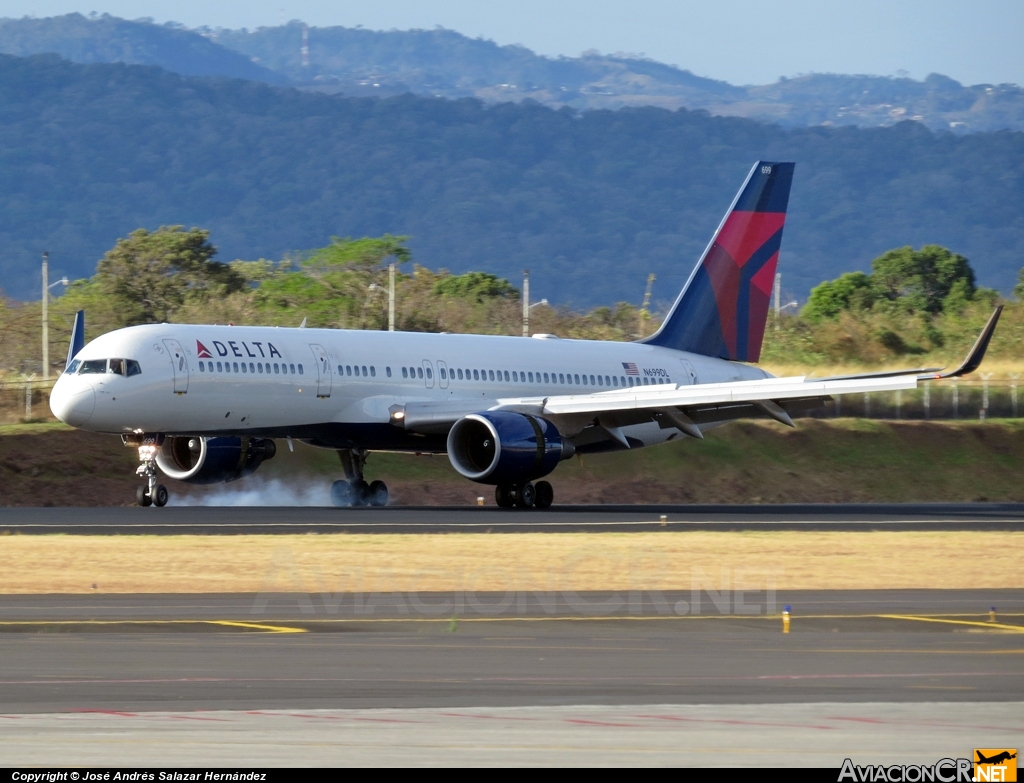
<point x="505" y="496"/>
<point x="378" y="493"/>
<point x="341" y="494"/>
<point x="545" y="495"/>
<point x="160" y="496"/>
<point x="526" y="495"/>
<point x="360" y="493"/>
<point x="142" y="496"/>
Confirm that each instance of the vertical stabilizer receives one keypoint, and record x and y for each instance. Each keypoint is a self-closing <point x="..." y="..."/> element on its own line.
<point x="77" y="337"/>
<point x="723" y="307"/>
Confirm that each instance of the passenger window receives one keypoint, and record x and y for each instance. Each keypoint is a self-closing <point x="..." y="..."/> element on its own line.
<point x="243" y="367"/>
<point x="592" y="380"/>
<point x="235" y="366"/>
<point x="202" y="366"/>
<point x="373" y="372"/>
<point x="546" y="378"/>
<point x="444" y="375"/>
<point x="515" y="376"/>
<point x="388" y="371"/>
<point x="460" y="375"/>
<point x="365" y="373"/>
<point x="405" y="372"/>
<point x="491" y="374"/>
<point x="476" y="375"/>
<point x="600" y="381"/>
<point x="419" y="372"/>
<point x="622" y="380"/>
<point x="430" y="374"/>
<point x="300" y="369"/>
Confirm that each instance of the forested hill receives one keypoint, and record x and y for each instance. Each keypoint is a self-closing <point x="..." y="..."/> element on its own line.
<point x="444" y="63"/>
<point x="590" y="202"/>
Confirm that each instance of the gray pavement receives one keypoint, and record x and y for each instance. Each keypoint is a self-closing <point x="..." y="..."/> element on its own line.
<point x="818" y="734"/>
<point x="430" y="650"/>
<point x="239" y="520"/>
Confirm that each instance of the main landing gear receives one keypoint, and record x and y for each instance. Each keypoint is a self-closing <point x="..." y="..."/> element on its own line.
<point x="353" y="489"/>
<point x="539" y="495"/>
<point x="150" y="493"/>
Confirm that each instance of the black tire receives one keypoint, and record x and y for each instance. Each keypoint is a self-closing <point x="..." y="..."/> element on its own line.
<point x="526" y="495"/>
<point x="545" y="495"/>
<point x="160" y="496"/>
<point x="504" y="496"/>
<point x="142" y="496"/>
<point x="360" y="493"/>
<point x="378" y="493"/>
<point x="341" y="494"/>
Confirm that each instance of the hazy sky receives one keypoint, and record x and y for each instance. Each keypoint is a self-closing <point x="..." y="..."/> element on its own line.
<point x="741" y="41"/>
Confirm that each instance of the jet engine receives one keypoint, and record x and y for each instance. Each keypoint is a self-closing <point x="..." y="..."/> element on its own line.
<point x="503" y="447"/>
<point x="196" y="460"/>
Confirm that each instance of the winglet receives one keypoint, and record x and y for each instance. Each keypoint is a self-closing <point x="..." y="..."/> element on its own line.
<point x="77" y="337"/>
<point x="974" y="358"/>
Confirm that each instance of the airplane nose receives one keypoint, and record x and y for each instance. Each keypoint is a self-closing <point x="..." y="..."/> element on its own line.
<point x="72" y="405"/>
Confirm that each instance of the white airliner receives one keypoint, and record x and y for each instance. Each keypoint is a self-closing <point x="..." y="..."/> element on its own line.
<point x="203" y="403"/>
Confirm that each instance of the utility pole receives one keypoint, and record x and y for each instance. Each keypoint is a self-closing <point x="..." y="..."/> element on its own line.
<point x="391" y="297"/>
<point x="645" y="312"/>
<point x="526" y="303"/>
<point x="46" y="316"/>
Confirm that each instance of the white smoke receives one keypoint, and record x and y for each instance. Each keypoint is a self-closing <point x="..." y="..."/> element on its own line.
<point x="272" y="492"/>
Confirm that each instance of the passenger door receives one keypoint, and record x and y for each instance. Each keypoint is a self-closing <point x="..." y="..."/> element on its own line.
<point x="323" y="371"/>
<point x="442" y="373"/>
<point x="179" y="365"/>
<point x="428" y="374"/>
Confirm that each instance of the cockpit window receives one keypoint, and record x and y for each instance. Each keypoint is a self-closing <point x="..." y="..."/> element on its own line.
<point x="93" y="366"/>
<point x="98" y="366"/>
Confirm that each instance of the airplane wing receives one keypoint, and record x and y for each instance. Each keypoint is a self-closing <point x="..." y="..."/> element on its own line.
<point x="687" y="407"/>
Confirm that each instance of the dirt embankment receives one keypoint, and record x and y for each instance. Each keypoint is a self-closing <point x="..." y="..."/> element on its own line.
<point x="848" y="460"/>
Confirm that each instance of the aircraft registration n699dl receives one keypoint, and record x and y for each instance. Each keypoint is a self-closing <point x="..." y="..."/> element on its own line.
<point x="203" y="404"/>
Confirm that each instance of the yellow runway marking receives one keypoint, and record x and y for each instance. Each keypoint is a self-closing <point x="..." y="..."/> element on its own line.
<point x="252" y="626"/>
<point x="975" y="623"/>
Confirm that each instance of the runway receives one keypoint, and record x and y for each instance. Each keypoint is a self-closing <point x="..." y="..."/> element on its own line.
<point x="520" y="678"/>
<point x="400" y="650"/>
<point x="432" y="519"/>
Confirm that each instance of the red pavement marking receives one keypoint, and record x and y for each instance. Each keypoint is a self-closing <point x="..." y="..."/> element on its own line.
<point x="601" y="723"/>
<point x="484" y="717"/>
<point x="737" y="722"/>
<point x="110" y="712"/>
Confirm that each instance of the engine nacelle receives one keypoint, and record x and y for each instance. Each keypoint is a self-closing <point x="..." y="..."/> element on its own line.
<point x="499" y="447"/>
<point x="196" y="460"/>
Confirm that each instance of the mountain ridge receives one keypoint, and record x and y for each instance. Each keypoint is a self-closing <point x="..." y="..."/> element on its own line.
<point x="591" y="202"/>
<point x="444" y="63"/>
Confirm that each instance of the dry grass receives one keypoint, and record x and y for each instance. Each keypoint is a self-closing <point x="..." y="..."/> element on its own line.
<point x="502" y="562"/>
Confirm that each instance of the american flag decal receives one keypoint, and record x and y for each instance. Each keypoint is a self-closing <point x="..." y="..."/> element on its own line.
<point x="630" y="368"/>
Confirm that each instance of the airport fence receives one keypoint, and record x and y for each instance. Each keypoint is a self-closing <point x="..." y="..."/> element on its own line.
<point x="27" y="399"/>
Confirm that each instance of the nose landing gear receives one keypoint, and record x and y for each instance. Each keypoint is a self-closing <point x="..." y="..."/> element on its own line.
<point x="539" y="495"/>
<point x="353" y="489"/>
<point x="151" y="493"/>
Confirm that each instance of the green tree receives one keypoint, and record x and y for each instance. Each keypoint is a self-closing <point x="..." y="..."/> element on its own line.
<point x="476" y="285"/>
<point x="148" y="276"/>
<point x="921" y="281"/>
<point x="852" y="291"/>
<point x="337" y="285"/>
<point x="1018" y="290"/>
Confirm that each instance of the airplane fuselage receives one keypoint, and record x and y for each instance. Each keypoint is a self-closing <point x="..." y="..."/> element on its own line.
<point x="336" y="388"/>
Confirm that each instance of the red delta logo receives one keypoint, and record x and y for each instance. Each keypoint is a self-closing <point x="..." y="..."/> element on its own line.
<point x="202" y="351"/>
